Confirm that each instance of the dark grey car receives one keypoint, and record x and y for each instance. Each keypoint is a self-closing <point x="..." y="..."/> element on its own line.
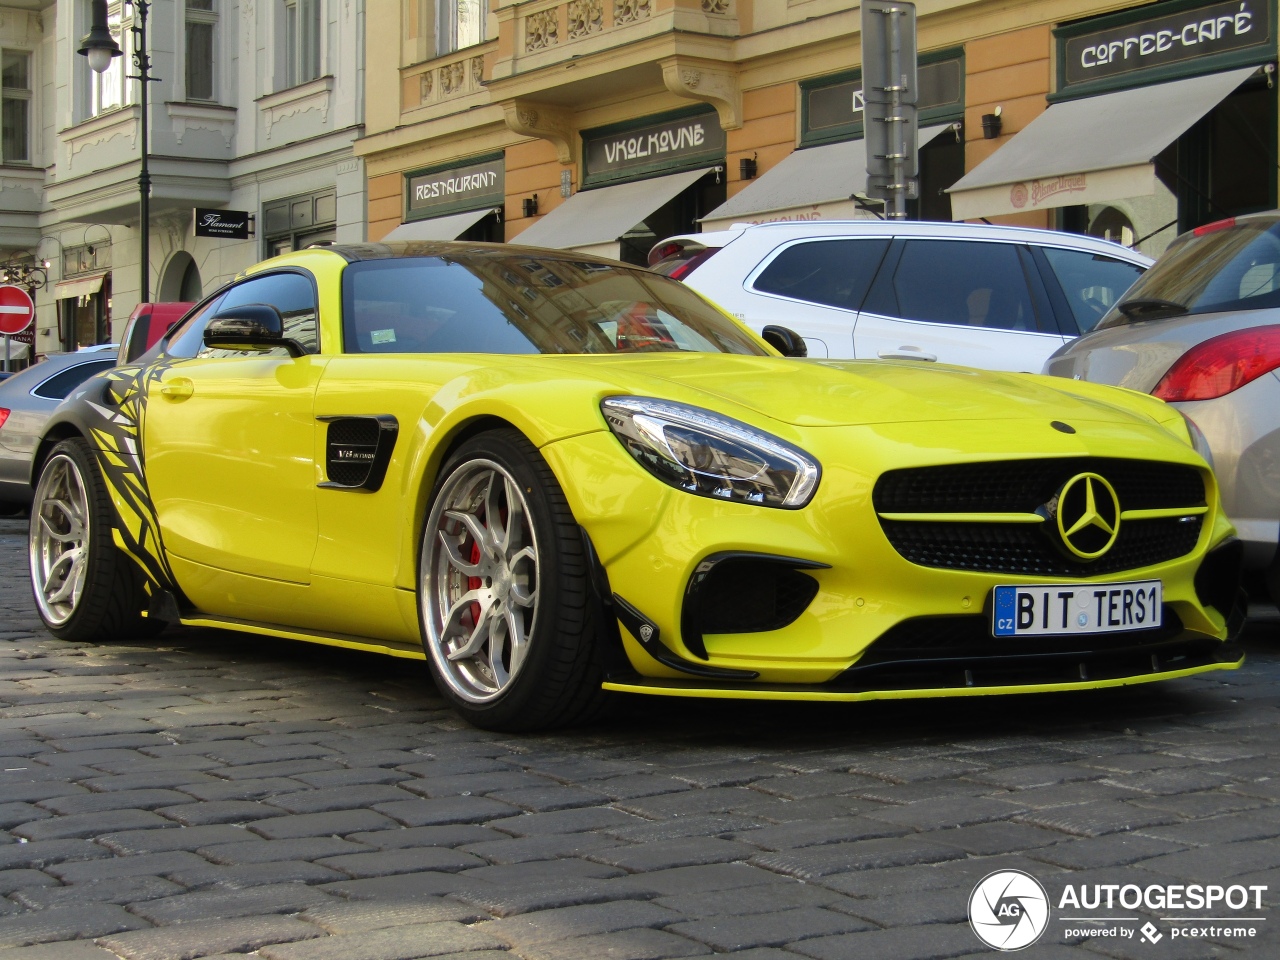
<point x="26" y="401"/>
<point x="1201" y="329"/>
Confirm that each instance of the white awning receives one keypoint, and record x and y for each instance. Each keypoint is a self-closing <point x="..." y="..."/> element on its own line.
<point x="603" y="215"/>
<point x="18" y="349"/>
<point x="1090" y="150"/>
<point x="811" y="184"/>
<point x="78" y="286"/>
<point x="440" y="228"/>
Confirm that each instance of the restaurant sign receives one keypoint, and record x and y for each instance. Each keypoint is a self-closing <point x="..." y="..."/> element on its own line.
<point x="228" y="224"/>
<point x="672" y="143"/>
<point x="434" y="193"/>
<point x="1175" y="38"/>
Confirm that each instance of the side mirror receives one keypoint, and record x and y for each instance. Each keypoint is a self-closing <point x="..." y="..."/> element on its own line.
<point x="250" y="326"/>
<point x="785" y="340"/>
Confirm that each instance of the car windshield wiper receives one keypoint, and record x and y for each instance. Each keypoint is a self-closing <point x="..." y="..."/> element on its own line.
<point x="1150" y="308"/>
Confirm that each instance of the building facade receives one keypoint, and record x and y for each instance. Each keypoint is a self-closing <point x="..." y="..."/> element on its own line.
<point x="255" y="109"/>
<point x="605" y="125"/>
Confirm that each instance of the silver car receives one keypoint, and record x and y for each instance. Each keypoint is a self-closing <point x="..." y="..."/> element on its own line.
<point x="26" y="401"/>
<point x="1201" y="330"/>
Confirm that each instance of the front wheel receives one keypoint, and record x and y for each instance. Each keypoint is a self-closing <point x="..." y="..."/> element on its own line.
<point x="85" y="588"/>
<point x="502" y="591"/>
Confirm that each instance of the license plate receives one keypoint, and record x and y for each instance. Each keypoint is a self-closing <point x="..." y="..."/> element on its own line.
<point x="1058" y="610"/>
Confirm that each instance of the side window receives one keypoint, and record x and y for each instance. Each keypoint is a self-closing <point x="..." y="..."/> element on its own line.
<point x="186" y="339"/>
<point x="834" y="273"/>
<point x="963" y="283"/>
<point x="62" y="383"/>
<point x="290" y="293"/>
<point x="1092" y="283"/>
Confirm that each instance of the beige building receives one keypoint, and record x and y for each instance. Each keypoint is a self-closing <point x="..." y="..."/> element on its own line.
<point x="605" y="125"/>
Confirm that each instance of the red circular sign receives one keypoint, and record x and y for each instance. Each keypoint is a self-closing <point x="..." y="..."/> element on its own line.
<point x="16" y="310"/>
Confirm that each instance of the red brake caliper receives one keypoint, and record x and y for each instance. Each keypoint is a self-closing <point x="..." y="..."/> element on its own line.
<point x="473" y="583"/>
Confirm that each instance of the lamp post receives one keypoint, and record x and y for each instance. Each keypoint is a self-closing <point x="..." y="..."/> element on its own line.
<point x="101" y="48"/>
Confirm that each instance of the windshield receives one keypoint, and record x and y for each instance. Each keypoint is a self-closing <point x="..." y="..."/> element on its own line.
<point x="509" y="303"/>
<point x="1233" y="267"/>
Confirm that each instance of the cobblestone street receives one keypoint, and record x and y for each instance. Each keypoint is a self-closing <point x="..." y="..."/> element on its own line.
<point x="213" y="794"/>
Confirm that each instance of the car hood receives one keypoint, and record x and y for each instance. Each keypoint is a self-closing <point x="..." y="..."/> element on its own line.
<point x="826" y="393"/>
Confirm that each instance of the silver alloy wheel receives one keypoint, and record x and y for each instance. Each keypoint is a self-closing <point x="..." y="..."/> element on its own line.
<point x="479" y="580"/>
<point x="59" y="540"/>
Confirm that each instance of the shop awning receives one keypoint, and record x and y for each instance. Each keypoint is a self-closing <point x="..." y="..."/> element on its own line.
<point x="1090" y="150"/>
<point x="78" y="286"/>
<point x="811" y="184"/>
<point x="440" y="228"/>
<point x="601" y="216"/>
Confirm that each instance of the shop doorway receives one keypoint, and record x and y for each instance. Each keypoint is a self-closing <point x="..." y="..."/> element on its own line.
<point x="86" y="320"/>
<point x="677" y="216"/>
<point x="181" y="280"/>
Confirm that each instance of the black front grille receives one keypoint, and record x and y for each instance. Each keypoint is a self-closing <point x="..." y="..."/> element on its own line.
<point x="1030" y="548"/>
<point x="1020" y="486"/>
<point x="1023" y="486"/>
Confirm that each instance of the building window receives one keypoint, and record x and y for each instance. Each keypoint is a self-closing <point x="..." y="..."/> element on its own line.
<point x="461" y="24"/>
<point x="302" y="41"/>
<point x="300" y="222"/>
<point x="202" y="22"/>
<point x="106" y="90"/>
<point x="15" y="79"/>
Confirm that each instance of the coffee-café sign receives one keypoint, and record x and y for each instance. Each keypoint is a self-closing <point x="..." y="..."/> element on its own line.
<point x="1171" y="39"/>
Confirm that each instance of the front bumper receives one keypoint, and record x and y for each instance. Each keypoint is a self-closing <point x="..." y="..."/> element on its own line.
<point x="650" y="540"/>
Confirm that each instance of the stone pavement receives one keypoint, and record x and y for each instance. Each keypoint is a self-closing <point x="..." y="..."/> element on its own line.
<point x="210" y="794"/>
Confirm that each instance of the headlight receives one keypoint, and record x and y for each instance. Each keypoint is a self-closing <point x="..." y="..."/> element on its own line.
<point x="1198" y="441"/>
<point x="706" y="454"/>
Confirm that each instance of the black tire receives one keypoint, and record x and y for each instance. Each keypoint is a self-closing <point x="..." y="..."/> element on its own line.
<point x="557" y="680"/>
<point x="109" y="602"/>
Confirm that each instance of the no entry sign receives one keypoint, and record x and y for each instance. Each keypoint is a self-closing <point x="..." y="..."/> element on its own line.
<point x="16" y="310"/>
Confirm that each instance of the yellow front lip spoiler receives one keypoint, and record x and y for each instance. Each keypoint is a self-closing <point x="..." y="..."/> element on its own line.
<point x="844" y="696"/>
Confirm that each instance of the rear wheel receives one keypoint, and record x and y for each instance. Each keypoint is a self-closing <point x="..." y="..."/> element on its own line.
<point x="503" y="592"/>
<point x="85" y="588"/>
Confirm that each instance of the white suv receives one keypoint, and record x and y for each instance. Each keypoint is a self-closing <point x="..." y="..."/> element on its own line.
<point x="999" y="298"/>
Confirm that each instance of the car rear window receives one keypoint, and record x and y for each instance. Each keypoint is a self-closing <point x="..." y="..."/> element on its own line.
<point x="833" y="273"/>
<point x="1231" y="267"/>
<point x="64" y="381"/>
<point x="511" y="304"/>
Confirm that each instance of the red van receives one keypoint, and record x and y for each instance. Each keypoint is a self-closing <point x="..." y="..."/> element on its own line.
<point x="147" y="324"/>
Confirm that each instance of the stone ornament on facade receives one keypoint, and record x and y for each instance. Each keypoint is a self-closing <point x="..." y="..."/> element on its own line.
<point x="707" y="82"/>
<point x="543" y="122"/>
<point x="477" y="70"/>
<point x="451" y="77"/>
<point x="629" y="11"/>
<point x="585" y="18"/>
<point x="427" y="85"/>
<point x="720" y="7"/>
<point x="541" y="30"/>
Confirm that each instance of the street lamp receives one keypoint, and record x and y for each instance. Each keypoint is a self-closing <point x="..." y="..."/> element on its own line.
<point x="101" y="48"/>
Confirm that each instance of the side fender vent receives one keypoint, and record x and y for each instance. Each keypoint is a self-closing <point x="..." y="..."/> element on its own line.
<point x="357" y="451"/>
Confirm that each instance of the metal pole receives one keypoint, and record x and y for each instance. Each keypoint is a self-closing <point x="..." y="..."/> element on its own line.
<point x="143" y="63"/>
<point x="898" y="191"/>
<point x="6" y="353"/>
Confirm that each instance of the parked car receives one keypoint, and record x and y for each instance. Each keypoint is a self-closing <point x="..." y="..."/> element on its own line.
<point x="27" y="399"/>
<point x="146" y="325"/>
<point x="997" y="298"/>
<point x="551" y="475"/>
<point x="1201" y="330"/>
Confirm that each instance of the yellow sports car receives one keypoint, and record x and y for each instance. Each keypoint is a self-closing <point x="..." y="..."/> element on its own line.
<point x="552" y="476"/>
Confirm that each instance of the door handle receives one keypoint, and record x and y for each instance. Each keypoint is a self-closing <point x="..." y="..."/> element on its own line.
<point x="179" y="388"/>
<point x="908" y="353"/>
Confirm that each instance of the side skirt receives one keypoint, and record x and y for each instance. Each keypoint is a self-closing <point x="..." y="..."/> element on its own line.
<point x="288" y="633"/>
